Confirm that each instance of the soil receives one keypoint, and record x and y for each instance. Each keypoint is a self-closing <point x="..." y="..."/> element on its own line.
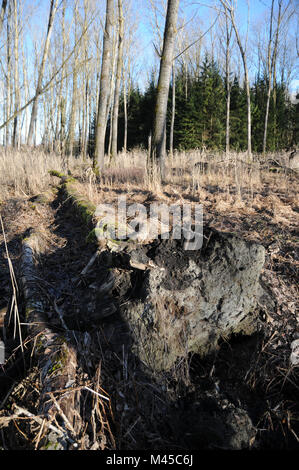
<point x="243" y="396"/>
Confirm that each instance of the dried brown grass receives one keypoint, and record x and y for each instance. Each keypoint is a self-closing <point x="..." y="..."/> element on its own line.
<point x="26" y="172"/>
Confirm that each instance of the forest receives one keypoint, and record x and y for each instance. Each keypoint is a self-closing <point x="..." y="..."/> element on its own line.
<point x="149" y="227"/>
<point x="200" y="118"/>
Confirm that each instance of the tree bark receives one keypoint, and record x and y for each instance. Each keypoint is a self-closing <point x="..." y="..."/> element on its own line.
<point x="158" y="145"/>
<point x="118" y="79"/>
<point x="104" y="89"/>
<point x="172" y="112"/>
<point x="53" y="9"/>
<point x="125" y="118"/>
<point x="56" y="356"/>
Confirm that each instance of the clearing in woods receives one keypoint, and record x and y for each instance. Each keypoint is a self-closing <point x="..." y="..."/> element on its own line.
<point x="243" y="395"/>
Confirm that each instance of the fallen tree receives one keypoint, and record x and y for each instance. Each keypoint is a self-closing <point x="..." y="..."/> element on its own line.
<point x="56" y="356"/>
<point x="185" y="301"/>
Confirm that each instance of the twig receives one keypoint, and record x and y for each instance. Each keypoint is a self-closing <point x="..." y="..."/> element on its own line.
<point x="90" y="263"/>
<point x="96" y="393"/>
<point x="131" y="427"/>
<point x="23" y="411"/>
<point x="40" y="434"/>
<point x="67" y="422"/>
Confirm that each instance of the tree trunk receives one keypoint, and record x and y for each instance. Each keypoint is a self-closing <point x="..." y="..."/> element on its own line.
<point x="53" y="9"/>
<point x="118" y="79"/>
<point x="125" y="117"/>
<point x="228" y="8"/>
<point x="16" y="73"/>
<point x="104" y="89"/>
<point x="54" y="348"/>
<point x="269" y="80"/>
<point x="57" y="143"/>
<point x="158" y="146"/>
<point x="2" y="13"/>
<point x="172" y="112"/>
<point x="228" y="87"/>
<point x="71" y="133"/>
<point x="8" y="77"/>
<point x="271" y="71"/>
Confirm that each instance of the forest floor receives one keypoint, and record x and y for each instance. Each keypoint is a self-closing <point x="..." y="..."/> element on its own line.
<point x="142" y="411"/>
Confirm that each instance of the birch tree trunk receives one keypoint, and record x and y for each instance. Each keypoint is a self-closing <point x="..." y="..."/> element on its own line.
<point x="158" y="144"/>
<point x="118" y="79"/>
<point x="104" y="89"/>
<point x="53" y="9"/>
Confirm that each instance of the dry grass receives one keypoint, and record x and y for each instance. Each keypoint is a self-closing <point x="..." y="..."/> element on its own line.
<point x="25" y="172"/>
<point x="229" y="184"/>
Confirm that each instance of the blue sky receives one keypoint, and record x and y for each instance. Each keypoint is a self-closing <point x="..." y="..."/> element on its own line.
<point x="203" y="13"/>
<point x="199" y="11"/>
<point x="196" y="11"/>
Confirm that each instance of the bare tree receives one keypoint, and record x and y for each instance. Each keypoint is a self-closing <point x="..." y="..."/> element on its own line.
<point x="270" y="69"/>
<point x="104" y="89"/>
<point x="53" y="9"/>
<point x="159" y="134"/>
<point x="15" y="139"/>
<point x="228" y="35"/>
<point x="229" y="9"/>
<point x="71" y="133"/>
<point x="8" y="74"/>
<point x="118" y="79"/>
<point x="272" y="53"/>
<point x="58" y="134"/>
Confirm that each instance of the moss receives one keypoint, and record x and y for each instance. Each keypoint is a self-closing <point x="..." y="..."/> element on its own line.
<point x="56" y="173"/>
<point x="39" y="346"/>
<point x="59" y="362"/>
<point x="92" y="237"/>
<point x="84" y="207"/>
<point x="96" y="170"/>
<point x="28" y="312"/>
<point x="56" y="366"/>
<point x="69" y="179"/>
